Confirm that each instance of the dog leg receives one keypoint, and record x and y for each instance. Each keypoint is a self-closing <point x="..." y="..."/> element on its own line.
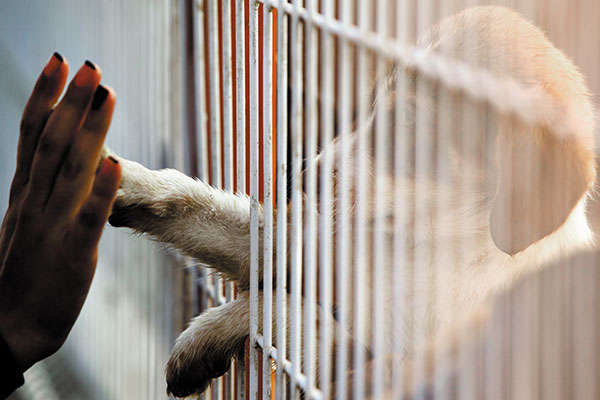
<point x="205" y="349"/>
<point x="206" y="223"/>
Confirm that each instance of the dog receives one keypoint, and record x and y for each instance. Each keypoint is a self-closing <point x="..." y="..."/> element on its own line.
<point x="510" y="198"/>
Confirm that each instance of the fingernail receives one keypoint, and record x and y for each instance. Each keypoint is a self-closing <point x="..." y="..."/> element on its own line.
<point x="107" y="167"/>
<point x="99" y="97"/>
<point x="53" y="64"/>
<point x="104" y="166"/>
<point x="85" y="74"/>
<point x="90" y="64"/>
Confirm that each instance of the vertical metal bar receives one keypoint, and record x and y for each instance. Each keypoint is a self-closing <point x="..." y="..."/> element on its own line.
<point x="423" y="254"/>
<point x="380" y="211"/>
<point x="166" y="278"/>
<point x="227" y="96"/>
<point x="154" y="265"/>
<point x="154" y="290"/>
<point x="552" y="329"/>
<point x="138" y="286"/>
<point x="240" y="137"/>
<point x="296" y="206"/>
<point x="325" y="226"/>
<point x="228" y="165"/>
<point x="401" y="150"/>
<point x="268" y="197"/>
<point x="342" y="257"/>
<point x="443" y="204"/>
<point x="362" y="257"/>
<point x="254" y="197"/>
<point x="228" y="145"/>
<point x="584" y="318"/>
<point x="282" y="140"/>
<point x="472" y="122"/>
<point x="214" y="93"/>
<point x="214" y="116"/>
<point x="310" y="251"/>
<point x="201" y="117"/>
<point x="240" y="88"/>
<point x="122" y="250"/>
<point x="525" y="335"/>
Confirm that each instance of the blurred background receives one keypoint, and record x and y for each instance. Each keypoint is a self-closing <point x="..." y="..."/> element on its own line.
<point x="136" y="306"/>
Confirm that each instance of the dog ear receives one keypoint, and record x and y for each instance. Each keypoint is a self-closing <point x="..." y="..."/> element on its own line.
<point x="541" y="178"/>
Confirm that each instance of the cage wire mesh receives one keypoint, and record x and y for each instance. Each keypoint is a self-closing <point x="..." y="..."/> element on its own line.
<point x="368" y="156"/>
<point x="372" y="146"/>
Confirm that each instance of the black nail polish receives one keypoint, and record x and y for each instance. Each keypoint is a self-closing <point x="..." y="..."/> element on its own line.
<point x="111" y="158"/>
<point x="99" y="97"/>
<point x="58" y="56"/>
<point x="90" y="64"/>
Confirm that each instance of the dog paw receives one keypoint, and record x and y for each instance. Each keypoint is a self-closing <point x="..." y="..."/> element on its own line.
<point x="195" y="361"/>
<point x="189" y="374"/>
<point x="131" y="216"/>
<point x="142" y="196"/>
<point x="204" y="350"/>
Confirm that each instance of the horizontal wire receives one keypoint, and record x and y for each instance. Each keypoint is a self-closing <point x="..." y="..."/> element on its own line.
<point x="301" y="379"/>
<point x="507" y="95"/>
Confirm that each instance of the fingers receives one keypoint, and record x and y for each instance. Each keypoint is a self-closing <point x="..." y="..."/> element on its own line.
<point x="56" y="138"/>
<point x="47" y="89"/>
<point x="77" y="170"/>
<point x="93" y="214"/>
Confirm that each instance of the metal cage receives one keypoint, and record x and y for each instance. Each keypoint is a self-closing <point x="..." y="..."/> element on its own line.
<point x="244" y="94"/>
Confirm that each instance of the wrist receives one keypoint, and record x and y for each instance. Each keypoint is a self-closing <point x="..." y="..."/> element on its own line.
<point x="26" y="345"/>
<point x="11" y="351"/>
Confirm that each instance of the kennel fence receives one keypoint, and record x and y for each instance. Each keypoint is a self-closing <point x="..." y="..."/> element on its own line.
<point x="256" y="87"/>
<point x="300" y="74"/>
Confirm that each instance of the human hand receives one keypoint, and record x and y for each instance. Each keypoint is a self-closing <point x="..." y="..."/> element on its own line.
<point x="57" y="210"/>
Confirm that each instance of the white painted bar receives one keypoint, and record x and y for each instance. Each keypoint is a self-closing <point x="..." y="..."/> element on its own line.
<point x="201" y="114"/>
<point x="379" y="267"/>
<point x="471" y="121"/>
<point x="254" y="199"/>
<point x="445" y="120"/>
<point x="325" y="219"/>
<point x="240" y="135"/>
<point x="227" y="57"/>
<point x="401" y="149"/>
<point x="296" y="205"/>
<point x="214" y="92"/>
<point x="362" y="257"/>
<point x="423" y="255"/>
<point x="268" y="197"/>
<point x="311" y="201"/>
<point x="240" y="95"/>
<point x="282" y="203"/>
<point x="228" y="162"/>
<point x="585" y="321"/>
<point x="214" y="117"/>
<point x="343" y="246"/>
